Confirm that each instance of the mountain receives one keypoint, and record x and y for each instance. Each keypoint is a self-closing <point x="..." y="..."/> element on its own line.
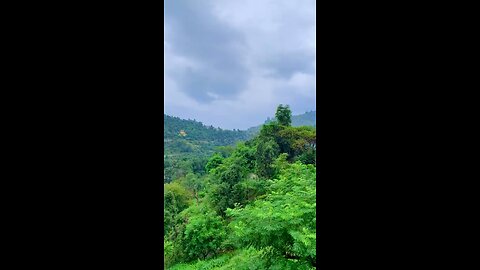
<point x="188" y="136"/>
<point x="189" y="143"/>
<point x="306" y="119"/>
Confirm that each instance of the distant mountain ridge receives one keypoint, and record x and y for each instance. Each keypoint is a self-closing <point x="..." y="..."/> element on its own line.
<point x="305" y="119"/>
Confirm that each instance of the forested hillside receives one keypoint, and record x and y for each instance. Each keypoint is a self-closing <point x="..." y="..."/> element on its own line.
<point x="188" y="143"/>
<point x="197" y="132"/>
<point x="252" y="206"/>
<point x="306" y="119"/>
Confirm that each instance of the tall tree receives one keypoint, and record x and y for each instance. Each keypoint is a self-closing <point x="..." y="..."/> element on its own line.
<point x="284" y="115"/>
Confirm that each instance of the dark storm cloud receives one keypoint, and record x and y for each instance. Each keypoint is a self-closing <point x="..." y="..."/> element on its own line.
<point x="197" y="34"/>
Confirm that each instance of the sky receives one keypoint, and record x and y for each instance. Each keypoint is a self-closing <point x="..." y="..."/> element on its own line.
<point x="231" y="63"/>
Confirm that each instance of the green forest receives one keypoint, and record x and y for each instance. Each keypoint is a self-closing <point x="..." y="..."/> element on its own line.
<point x="238" y="199"/>
<point x="188" y="144"/>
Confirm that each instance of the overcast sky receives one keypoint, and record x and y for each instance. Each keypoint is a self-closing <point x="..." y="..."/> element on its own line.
<point x="230" y="63"/>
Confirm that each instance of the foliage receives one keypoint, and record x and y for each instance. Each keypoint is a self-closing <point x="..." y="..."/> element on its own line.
<point x="225" y="189"/>
<point x="225" y="151"/>
<point x="285" y="220"/>
<point x="242" y="259"/>
<point x="308" y="157"/>
<point x="204" y="233"/>
<point x="284" y="115"/>
<point x="215" y="161"/>
<point x="193" y="183"/>
<point x="267" y="151"/>
<point x="168" y="255"/>
<point x="175" y="199"/>
<point x="176" y="196"/>
<point x="306" y="119"/>
<point x="248" y="190"/>
<point x="296" y="140"/>
<point x="189" y="152"/>
<point x="249" y="206"/>
<point x="214" y="263"/>
<point x="198" y="136"/>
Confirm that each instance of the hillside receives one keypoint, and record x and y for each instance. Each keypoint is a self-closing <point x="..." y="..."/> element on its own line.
<point x="306" y="119"/>
<point x="188" y="143"/>
<point x="183" y="136"/>
<point x="252" y="208"/>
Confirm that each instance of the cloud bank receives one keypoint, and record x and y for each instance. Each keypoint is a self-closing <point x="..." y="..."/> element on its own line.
<point x="230" y="63"/>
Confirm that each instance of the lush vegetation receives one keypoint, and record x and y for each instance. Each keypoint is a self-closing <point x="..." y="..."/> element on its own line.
<point x="306" y="119"/>
<point x="195" y="132"/>
<point x="189" y="143"/>
<point x="251" y="206"/>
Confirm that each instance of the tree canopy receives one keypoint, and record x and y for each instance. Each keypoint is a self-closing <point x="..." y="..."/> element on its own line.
<point x="251" y="206"/>
<point x="284" y="115"/>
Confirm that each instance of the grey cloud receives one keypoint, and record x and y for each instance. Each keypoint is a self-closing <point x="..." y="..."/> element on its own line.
<point x="230" y="63"/>
<point x="286" y="64"/>
<point x="198" y="35"/>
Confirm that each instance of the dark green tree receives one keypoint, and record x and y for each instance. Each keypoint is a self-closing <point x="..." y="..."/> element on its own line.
<point x="176" y="198"/>
<point x="285" y="221"/>
<point x="267" y="152"/>
<point x="284" y="115"/>
<point x="203" y="233"/>
<point x="215" y="161"/>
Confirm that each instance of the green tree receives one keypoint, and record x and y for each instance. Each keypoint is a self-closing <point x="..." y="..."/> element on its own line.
<point x="284" y="115"/>
<point x="193" y="183"/>
<point x="253" y="203"/>
<point x="297" y="140"/>
<point x="215" y="161"/>
<point x="285" y="222"/>
<point x="204" y="233"/>
<point x="267" y="151"/>
<point x="176" y="198"/>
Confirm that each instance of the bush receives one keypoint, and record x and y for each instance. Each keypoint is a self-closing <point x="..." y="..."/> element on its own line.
<point x="204" y="233"/>
<point x="285" y="221"/>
